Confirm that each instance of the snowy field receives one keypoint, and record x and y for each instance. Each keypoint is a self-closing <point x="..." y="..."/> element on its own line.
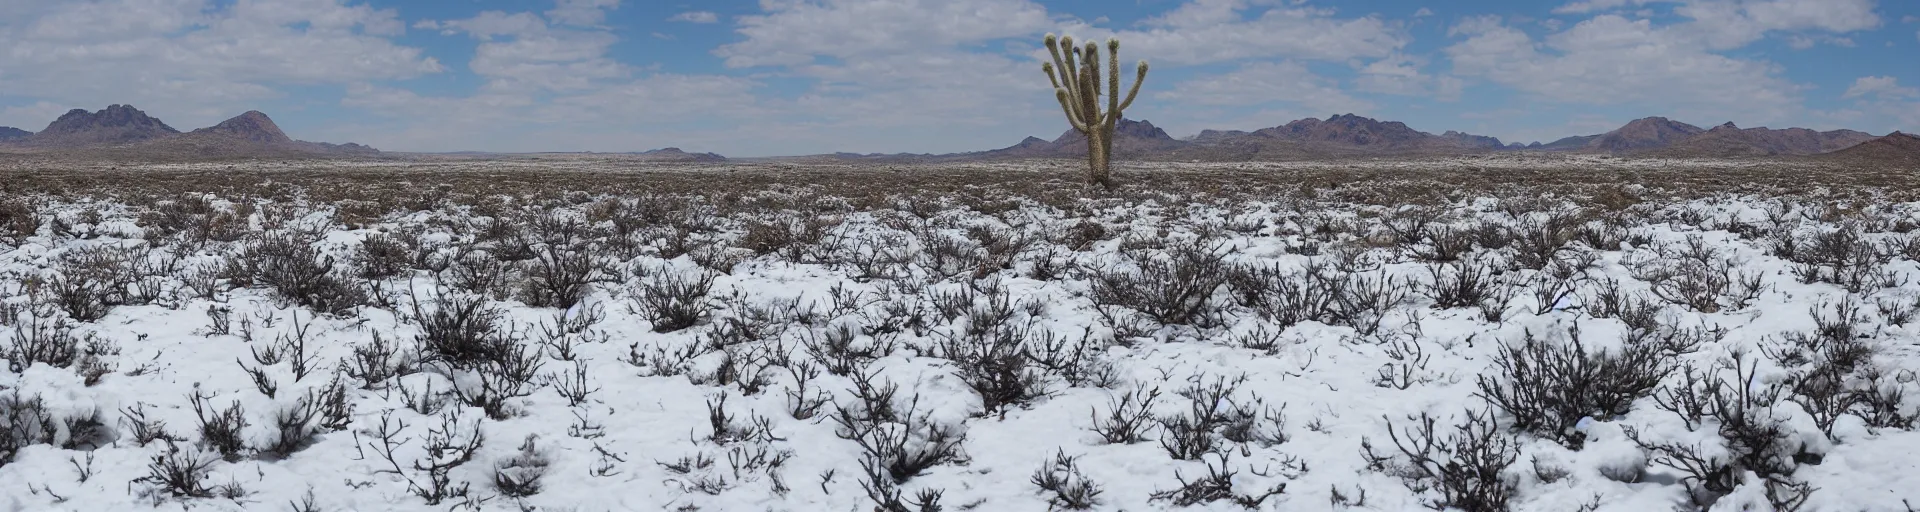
<point x="1482" y="334"/>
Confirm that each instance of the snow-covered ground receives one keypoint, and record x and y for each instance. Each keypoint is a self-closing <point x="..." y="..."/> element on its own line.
<point x="1250" y="351"/>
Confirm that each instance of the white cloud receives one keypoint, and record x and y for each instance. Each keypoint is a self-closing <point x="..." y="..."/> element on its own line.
<point x="1611" y="60"/>
<point x="194" y="62"/>
<point x="1259" y="83"/>
<point x="1207" y="31"/>
<point x="1589" y="6"/>
<point x="581" y="12"/>
<point x="793" y="33"/>
<point x="1423" y="12"/>
<point x="696" y="17"/>
<point x="881" y="68"/>
<point x="1881" y="86"/>
<point x="1727" y="24"/>
<point x="1401" y="75"/>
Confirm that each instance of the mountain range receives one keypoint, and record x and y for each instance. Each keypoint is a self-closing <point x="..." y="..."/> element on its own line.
<point x="1348" y="135"/>
<point x="125" y="131"/>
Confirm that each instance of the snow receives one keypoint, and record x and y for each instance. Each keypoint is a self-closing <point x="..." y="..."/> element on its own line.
<point x="613" y="451"/>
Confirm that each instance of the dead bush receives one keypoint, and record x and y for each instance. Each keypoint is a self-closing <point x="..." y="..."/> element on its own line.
<point x="1548" y="387"/>
<point x="1465" y="467"/>
<point x="1174" y="289"/>
<point x="299" y="273"/>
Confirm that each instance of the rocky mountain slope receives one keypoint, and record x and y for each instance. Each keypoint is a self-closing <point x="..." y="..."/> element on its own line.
<point x="9" y="133"/>
<point x="116" y="124"/>
<point x="122" y="131"/>
<point x="1728" y="140"/>
<point x="1349" y="135"/>
<point x="1341" y="135"/>
<point x="1897" y="148"/>
<point x="676" y="155"/>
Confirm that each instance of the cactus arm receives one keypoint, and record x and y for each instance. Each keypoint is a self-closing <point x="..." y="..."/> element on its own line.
<point x="1066" y="74"/>
<point x="1113" y="82"/>
<point x="1066" y="104"/>
<point x="1089" y="97"/>
<point x="1135" y="91"/>
<point x="1070" y="70"/>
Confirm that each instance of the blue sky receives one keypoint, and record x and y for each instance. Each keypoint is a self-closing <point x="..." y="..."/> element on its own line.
<point x="781" y="77"/>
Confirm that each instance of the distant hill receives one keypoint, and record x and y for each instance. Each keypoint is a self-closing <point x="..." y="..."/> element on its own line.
<point x="116" y="124"/>
<point x="122" y="131"/>
<point x="1340" y="135"/>
<point x="1644" y="134"/>
<point x="676" y="155"/>
<point x="1574" y="143"/>
<point x="1132" y="139"/>
<point x="1659" y="136"/>
<point x="8" y="133"/>
<point x="252" y="126"/>
<point x="1728" y="140"/>
<point x="1894" y="149"/>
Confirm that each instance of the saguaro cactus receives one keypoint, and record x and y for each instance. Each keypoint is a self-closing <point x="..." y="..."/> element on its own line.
<point x="1077" y="86"/>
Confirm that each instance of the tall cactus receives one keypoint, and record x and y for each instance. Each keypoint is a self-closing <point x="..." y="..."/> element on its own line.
<point x="1077" y="86"/>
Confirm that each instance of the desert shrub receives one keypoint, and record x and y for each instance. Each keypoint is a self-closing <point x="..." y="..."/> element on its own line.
<point x="17" y="219"/>
<point x="996" y="364"/>
<point x="507" y="373"/>
<point x="26" y="422"/>
<point x="897" y="444"/>
<point x="194" y="221"/>
<point x="1605" y="298"/>
<point x="1548" y="387"/>
<point x="1444" y="244"/>
<point x="375" y="362"/>
<point x="559" y="277"/>
<point x="220" y="431"/>
<point x="1460" y="284"/>
<point x="288" y="263"/>
<point x="46" y="338"/>
<point x="1881" y="402"/>
<point x="89" y="281"/>
<point x="1493" y="235"/>
<point x="383" y="256"/>
<point x="519" y="476"/>
<point x="672" y="301"/>
<point x="448" y="447"/>
<point x="294" y="426"/>
<point x="459" y="330"/>
<point x="872" y="256"/>
<point x="947" y="255"/>
<point x="1212" y="417"/>
<point x="1068" y="488"/>
<point x="1412" y="223"/>
<point x="1217" y="485"/>
<point x="180" y="473"/>
<point x="1282" y="297"/>
<point x="1082" y="235"/>
<point x="1697" y="275"/>
<point x="1754" y="437"/>
<point x="1842" y="257"/>
<point x="1362" y="301"/>
<point x="1173" y="290"/>
<point x="1003" y="246"/>
<point x="1603" y="235"/>
<point x="1465" y="467"/>
<point x="1129" y="417"/>
<point x="1539" y="238"/>
<point x="478" y="272"/>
